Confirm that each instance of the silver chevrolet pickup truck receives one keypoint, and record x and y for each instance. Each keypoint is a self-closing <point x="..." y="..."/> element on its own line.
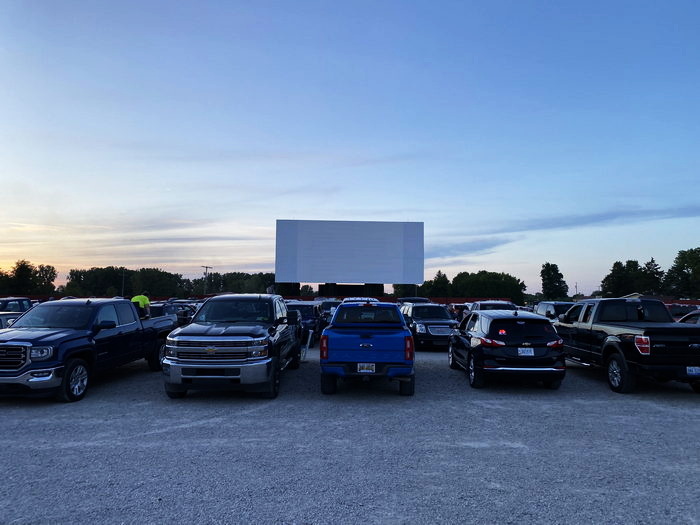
<point x="234" y="342"/>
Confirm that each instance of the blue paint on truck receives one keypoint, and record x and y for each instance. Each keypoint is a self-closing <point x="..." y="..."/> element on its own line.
<point x="367" y="341"/>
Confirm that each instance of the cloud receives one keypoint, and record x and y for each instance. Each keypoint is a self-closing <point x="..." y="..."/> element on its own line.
<point x="614" y="216"/>
<point x="471" y="247"/>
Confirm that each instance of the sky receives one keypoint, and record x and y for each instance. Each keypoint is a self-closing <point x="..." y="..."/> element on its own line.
<point x="174" y="134"/>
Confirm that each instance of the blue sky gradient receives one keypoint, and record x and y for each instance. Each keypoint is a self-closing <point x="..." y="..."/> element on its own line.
<point x="174" y="134"/>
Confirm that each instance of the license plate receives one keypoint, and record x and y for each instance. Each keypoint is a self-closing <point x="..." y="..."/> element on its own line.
<point x="694" y="370"/>
<point x="526" y="352"/>
<point x="365" y="368"/>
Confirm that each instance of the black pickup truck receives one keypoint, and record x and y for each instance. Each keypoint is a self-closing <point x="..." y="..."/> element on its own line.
<point x="235" y="342"/>
<point x="631" y="337"/>
<point x="57" y="346"/>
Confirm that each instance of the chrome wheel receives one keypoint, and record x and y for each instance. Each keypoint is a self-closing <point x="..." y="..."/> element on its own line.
<point x="78" y="380"/>
<point x="471" y="369"/>
<point x="614" y="373"/>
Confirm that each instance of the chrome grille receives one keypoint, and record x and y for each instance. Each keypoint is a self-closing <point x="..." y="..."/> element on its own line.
<point x="439" y="330"/>
<point x="219" y="354"/>
<point x="12" y="357"/>
<point x="215" y="344"/>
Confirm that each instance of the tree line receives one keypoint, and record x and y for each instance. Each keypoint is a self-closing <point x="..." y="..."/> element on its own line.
<point x="681" y="280"/>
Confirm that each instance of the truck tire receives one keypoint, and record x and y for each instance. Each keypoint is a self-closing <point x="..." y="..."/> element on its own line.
<point x="273" y="387"/>
<point x="175" y="392"/>
<point x="155" y="358"/>
<point x="620" y="377"/>
<point x="474" y="374"/>
<point x="451" y="358"/>
<point x="407" y="388"/>
<point x="329" y="384"/>
<point x="76" y="379"/>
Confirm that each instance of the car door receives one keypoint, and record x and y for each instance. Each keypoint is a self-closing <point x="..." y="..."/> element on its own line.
<point x="567" y="330"/>
<point x="108" y="341"/>
<point x="285" y="331"/>
<point x="133" y="339"/>
<point x="467" y="326"/>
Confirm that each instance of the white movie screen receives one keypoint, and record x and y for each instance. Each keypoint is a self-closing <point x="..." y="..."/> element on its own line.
<point x="349" y="252"/>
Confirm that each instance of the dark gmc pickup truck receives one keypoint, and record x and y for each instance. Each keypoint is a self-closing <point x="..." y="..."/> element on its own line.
<point x="631" y="337"/>
<point x="57" y="346"/>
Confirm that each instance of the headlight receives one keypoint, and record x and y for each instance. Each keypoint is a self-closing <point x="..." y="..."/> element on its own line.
<point x="259" y="353"/>
<point x="41" y="353"/>
<point x="170" y="341"/>
<point x="260" y="342"/>
<point x="420" y="328"/>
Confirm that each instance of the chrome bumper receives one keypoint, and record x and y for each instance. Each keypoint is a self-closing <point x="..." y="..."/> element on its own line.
<point x="176" y="371"/>
<point x="39" y="379"/>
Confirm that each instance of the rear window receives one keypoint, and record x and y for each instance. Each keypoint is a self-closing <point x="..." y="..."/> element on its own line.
<point x="367" y="314"/>
<point x="520" y="328"/>
<point x="431" y="312"/>
<point x="633" y="311"/>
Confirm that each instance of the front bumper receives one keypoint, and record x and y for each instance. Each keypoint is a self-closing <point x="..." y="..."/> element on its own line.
<point x="32" y="380"/>
<point x="198" y="375"/>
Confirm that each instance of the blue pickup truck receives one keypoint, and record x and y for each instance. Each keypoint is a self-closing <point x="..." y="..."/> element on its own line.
<point x="57" y="346"/>
<point x="367" y="341"/>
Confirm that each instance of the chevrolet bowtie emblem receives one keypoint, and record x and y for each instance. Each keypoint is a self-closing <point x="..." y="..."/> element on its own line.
<point x="210" y="350"/>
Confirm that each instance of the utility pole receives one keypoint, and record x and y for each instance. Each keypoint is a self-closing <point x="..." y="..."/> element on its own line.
<point x="206" y="273"/>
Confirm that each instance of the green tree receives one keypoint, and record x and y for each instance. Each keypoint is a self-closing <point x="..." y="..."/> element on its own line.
<point x="439" y="286"/>
<point x="306" y="291"/>
<point x="651" y="278"/>
<point x="683" y="278"/>
<point x="553" y="285"/>
<point x="484" y="284"/>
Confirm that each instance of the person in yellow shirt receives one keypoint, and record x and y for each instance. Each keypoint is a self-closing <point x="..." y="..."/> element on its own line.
<point x="143" y="305"/>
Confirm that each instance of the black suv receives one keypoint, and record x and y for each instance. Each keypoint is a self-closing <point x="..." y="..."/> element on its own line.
<point x="430" y="324"/>
<point x="553" y="309"/>
<point x="492" y="342"/>
<point x="310" y="319"/>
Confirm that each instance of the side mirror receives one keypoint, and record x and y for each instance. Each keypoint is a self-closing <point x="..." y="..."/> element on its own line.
<point x="105" y="325"/>
<point x="562" y="318"/>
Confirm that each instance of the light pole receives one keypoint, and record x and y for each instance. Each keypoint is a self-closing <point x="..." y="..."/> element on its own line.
<point x="206" y="273"/>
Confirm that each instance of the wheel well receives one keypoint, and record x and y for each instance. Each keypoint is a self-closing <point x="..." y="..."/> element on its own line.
<point x="85" y="356"/>
<point x="608" y="351"/>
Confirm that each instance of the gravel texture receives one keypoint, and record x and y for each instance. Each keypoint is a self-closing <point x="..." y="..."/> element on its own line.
<point x="511" y="453"/>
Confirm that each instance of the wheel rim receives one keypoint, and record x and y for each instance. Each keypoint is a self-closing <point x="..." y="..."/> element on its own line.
<point x="449" y="355"/>
<point x="614" y="373"/>
<point x="471" y="369"/>
<point x="78" y="380"/>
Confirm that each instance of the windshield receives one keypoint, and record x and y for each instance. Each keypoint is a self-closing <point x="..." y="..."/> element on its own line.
<point x="234" y="311"/>
<point x="431" y="312"/>
<point x="307" y="310"/>
<point x="367" y="314"/>
<point x="327" y="305"/>
<point x="65" y="316"/>
<point x="497" y="306"/>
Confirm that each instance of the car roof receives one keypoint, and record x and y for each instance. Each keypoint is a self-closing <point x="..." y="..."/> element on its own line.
<point x="311" y="303"/>
<point x="244" y="296"/>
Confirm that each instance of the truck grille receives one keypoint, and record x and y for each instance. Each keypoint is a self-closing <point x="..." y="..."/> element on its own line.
<point x="439" y="330"/>
<point x="12" y="357"/>
<point x="219" y="354"/>
<point x="215" y="344"/>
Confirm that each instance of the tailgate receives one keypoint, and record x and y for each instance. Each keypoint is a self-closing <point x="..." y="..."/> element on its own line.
<point x="372" y="344"/>
<point x="675" y="341"/>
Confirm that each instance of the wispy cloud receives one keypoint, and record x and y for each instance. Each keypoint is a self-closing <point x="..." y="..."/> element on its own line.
<point x="471" y="247"/>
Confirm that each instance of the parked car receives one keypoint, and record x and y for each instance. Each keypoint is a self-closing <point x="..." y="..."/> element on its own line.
<point x="402" y="300"/>
<point x="57" y="346"/>
<point x="367" y="341"/>
<point x="234" y="342"/>
<point x="310" y="316"/>
<point x="6" y="318"/>
<point x="691" y="318"/>
<point x="631" y="338"/>
<point x="15" y="304"/>
<point x="328" y="306"/>
<point x="360" y="300"/>
<point x="553" y="309"/>
<point x="492" y="305"/>
<point x="457" y="310"/>
<point x="492" y="343"/>
<point x="430" y="324"/>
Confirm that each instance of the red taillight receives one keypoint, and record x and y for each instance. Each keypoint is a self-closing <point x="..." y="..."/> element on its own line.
<point x="643" y="344"/>
<point x="323" y="347"/>
<point x="490" y="342"/>
<point x="556" y="344"/>
<point x="408" y="348"/>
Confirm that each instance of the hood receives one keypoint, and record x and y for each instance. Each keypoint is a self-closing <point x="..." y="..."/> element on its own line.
<point x="40" y="336"/>
<point x="221" y="330"/>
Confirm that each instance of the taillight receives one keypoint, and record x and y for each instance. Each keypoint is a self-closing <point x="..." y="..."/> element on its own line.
<point x="643" y="344"/>
<point x="323" y="347"/>
<point x="490" y="342"/>
<point x="408" y="348"/>
<point x="556" y="344"/>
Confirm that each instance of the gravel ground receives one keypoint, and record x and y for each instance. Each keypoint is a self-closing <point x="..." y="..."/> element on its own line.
<point x="511" y="453"/>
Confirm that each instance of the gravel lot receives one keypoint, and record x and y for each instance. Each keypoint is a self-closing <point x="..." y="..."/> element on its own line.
<point x="512" y="453"/>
